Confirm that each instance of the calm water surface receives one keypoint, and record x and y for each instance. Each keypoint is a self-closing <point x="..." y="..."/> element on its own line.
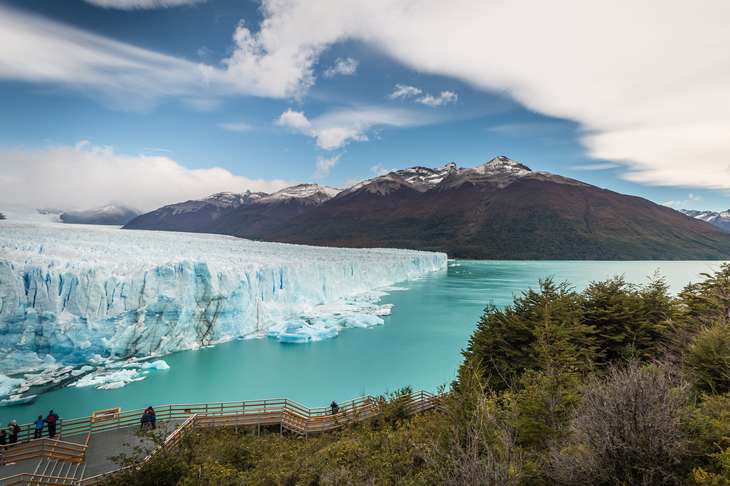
<point x="419" y="345"/>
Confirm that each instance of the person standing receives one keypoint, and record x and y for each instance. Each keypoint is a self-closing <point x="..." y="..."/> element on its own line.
<point x="52" y="421"/>
<point x="3" y="438"/>
<point x="152" y="417"/>
<point x="39" y="427"/>
<point x="145" y="420"/>
<point x="14" y="429"/>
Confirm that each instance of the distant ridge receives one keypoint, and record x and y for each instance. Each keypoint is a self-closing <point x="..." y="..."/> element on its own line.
<point x="719" y="219"/>
<point x="498" y="210"/>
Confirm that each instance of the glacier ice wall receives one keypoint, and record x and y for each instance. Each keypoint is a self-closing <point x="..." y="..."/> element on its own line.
<point x="69" y="293"/>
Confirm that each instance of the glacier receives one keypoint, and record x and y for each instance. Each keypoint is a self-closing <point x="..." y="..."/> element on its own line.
<point x="73" y="295"/>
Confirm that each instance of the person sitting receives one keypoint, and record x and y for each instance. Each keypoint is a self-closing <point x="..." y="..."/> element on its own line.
<point x="39" y="427"/>
<point x="52" y="421"/>
<point x="14" y="429"/>
<point x="335" y="408"/>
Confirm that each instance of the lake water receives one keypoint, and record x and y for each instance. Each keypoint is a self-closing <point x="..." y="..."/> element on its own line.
<point x="419" y="345"/>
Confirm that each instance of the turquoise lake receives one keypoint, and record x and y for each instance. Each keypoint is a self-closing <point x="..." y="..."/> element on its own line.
<point x="419" y="344"/>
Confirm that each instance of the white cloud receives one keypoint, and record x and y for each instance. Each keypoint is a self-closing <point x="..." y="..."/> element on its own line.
<point x="325" y="165"/>
<point x="87" y="175"/>
<point x="443" y="98"/>
<point x="648" y="82"/>
<point x="404" y="91"/>
<point x="596" y="166"/>
<point x="684" y="203"/>
<point x="337" y="128"/>
<point x="39" y="50"/>
<point x="141" y="4"/>
<point x="239" y="127"/>
<point x="380" y="169"/>
<point x="296" y="120"/>
<point x="343" y="67"/>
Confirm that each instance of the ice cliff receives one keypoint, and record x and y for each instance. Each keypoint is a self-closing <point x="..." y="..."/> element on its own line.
<point x="71" y="294"/>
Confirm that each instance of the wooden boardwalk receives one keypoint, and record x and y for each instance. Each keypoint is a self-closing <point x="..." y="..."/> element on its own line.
<point x="81" y="455"/>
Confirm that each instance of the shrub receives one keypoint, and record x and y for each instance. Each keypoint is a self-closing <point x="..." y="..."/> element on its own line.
<point x="708" y="359"/>
<point x="477" y="446"/>
<point x="627" y="430"/>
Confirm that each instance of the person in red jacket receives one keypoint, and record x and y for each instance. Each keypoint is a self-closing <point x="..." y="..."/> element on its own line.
<point x="52" y="421"/>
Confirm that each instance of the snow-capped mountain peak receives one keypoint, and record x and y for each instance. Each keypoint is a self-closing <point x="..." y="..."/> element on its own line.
<point x="226" y="199"/>
<point x="503" y="164"/>
<point x="718" y="219"/>
<point x="312" y="192"/>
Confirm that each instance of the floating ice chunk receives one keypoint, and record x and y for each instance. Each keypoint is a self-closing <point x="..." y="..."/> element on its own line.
<point x="17" y="400"/>
<point x="83" y="370"/>
<point x="7" y="385"/>
<point x="106" y="379"/>
<point x="159" y="364"/>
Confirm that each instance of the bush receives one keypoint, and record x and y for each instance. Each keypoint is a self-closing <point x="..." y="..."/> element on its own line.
<point x="709" y="429"/>
<point x="627" y="430"/>
<point x="478" y="446"/>
<point x="708" y="359"/>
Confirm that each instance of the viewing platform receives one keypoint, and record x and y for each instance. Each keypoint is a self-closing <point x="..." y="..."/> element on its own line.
<point x="82" y="451"/>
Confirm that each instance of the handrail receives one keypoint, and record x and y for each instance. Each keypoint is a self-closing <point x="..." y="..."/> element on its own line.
<point x="25" y="479"/>
<point x="288" y="414"/>
<point x="92" y="424"/>
<point x="50" y="448"/>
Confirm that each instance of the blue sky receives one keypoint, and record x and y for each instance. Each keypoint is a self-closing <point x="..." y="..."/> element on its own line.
<point x="312" y="96"/>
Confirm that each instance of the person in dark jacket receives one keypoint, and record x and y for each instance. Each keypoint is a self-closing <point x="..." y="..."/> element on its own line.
<point x="152" y="417"/>
<point x="145" y="420"/>
<point x="335" y="408"/>
<point x="52" y="421"/>
<point x="14" y="429"/>
<point x="3" y="438"/>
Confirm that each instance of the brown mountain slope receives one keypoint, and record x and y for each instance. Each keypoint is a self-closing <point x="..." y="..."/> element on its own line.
<point x="529" y="219"/>
<point x="499" y="210"/>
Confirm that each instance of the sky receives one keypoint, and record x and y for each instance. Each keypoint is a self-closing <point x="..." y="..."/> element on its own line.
<point x="150" y="102"/>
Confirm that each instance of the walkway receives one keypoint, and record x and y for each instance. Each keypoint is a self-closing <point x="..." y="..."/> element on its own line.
<point x="82" y="452"/>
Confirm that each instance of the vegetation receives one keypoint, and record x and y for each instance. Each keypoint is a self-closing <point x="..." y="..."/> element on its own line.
<point x="614" y="385"/>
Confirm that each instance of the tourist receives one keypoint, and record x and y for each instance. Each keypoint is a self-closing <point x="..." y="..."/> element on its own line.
<point x="52" y="421"/>
<point x="335" y="408"/>
<point x="14" y="430"/>
<point x="39" y="427"/>
<point x="3" y="438"/>
<point x="145" y="420"/>
<point x="152" y="417"/>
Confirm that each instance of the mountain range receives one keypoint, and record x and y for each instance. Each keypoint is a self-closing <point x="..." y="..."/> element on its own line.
<point x="498" y="210"/>
<point x="110" y="214"/>
<point x="720" y="219"/>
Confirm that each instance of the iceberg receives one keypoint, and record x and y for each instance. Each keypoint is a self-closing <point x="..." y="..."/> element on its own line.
<point x="72" y="295"/>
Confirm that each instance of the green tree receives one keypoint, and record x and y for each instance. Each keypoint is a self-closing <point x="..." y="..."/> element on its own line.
<point x="539" y="330"/>
<point x="629" y="320"/>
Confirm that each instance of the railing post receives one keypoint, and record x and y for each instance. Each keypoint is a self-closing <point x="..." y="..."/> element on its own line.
<point x="60" y="428"/>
